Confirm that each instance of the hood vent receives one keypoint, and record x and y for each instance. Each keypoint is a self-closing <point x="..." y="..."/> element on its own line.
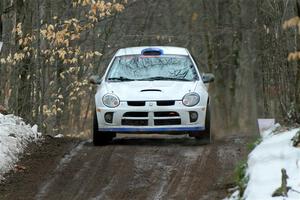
<point x="152" y="52"/>
<point x="151" y="90"/>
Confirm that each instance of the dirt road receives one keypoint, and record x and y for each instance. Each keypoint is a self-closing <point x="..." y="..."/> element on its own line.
<point x="156" y="167"/>
<point x="147" y="167"/>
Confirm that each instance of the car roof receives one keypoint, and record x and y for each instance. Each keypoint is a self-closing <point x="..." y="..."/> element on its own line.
<point x="166" y="50"/>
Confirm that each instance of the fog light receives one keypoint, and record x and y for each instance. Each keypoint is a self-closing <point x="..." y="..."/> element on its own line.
<point x="109" y="117"/>
<point x="193" y="116"/>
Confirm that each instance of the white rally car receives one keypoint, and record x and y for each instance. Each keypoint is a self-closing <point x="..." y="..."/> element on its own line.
<point x="153" y="89"/>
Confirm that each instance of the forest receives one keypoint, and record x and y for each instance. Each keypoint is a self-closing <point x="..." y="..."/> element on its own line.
<point x="50" y="48"/>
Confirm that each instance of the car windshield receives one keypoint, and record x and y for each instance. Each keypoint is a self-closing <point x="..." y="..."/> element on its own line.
<point x="148" y="68"/>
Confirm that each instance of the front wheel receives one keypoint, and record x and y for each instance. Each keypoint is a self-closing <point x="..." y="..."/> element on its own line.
<point x="206" y="134"/>
<point x="100" y="138"/>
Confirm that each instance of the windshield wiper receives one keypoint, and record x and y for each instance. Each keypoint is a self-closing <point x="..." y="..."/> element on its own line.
<point x="158" y="78"/>
<point x="121" y="78"/>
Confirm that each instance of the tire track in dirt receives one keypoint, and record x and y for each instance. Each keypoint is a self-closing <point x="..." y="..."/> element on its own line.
<point x="60" y="167"/>
<point x="186" y="178"/>
<point x="144" y="167"/>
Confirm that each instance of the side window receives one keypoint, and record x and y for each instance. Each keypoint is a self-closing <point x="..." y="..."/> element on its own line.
<point x="195" y="61"/>
<point x="200" y="72"/>
<point x="1" y="26"/>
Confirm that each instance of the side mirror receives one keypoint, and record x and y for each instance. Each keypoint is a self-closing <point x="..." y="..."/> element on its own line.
<point x="208" y="78"/>
<point x="1" y="45"/>
<point x="95" y="79"/>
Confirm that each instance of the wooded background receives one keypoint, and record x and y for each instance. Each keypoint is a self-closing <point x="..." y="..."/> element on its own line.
<point x="241" y="41"/>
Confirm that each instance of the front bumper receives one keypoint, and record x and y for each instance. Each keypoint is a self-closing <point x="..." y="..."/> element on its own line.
<point x="150" y="121"/>
<point x="180" y="129"/>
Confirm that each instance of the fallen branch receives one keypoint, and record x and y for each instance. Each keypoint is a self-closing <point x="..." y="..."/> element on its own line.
<point x="283" y="189"/>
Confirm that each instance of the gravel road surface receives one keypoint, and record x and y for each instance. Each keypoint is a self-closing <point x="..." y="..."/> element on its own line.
<point x="132" y="167"/>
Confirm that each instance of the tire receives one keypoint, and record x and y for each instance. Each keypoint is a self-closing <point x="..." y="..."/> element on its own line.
<point x="205" y="135"/>
<point x="99" y="137"/>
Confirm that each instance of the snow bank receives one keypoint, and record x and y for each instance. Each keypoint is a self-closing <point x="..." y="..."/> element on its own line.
<point x="14" y="137"/>
<point x="265" y="163"/>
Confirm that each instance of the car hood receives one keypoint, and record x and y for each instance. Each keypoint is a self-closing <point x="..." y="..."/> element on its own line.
<point x="150" y="90"/>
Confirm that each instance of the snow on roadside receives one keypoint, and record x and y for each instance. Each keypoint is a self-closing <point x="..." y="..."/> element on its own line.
<point x="15" y="135"/>
<point x="265" y="162"/>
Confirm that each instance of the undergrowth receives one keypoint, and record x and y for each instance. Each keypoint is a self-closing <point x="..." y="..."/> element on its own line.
<point x="240" y="173"/>
<point x="253" y="144"/>
<point x="241" y="178"/>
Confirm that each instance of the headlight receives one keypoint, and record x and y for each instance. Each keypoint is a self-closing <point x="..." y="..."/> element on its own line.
<point x="191" y="99"/>
<point x="110" y="100"/>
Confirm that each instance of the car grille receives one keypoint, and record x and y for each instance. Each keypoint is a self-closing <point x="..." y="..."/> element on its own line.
<point x="136" y="114"/>
<point x="135" y="119"/>
<point x="136" y="103"/>
<point x="134" y="122"/>
<point x="155" y="119"/>
<point x="165" y="122"/>
<point x="165" y="103"/>
<point x="158" y="103"/>
<point x="166" y="118"/>
<point x="166" y="114"/>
